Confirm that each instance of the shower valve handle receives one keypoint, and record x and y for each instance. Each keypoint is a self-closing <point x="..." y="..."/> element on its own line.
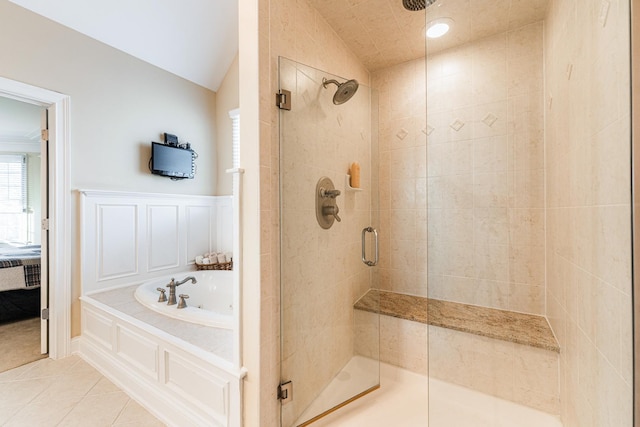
<point x="331" y="210"/>
<point x="332" y="194"/>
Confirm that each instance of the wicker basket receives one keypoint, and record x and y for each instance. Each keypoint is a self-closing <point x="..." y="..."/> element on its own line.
<point x="220" y="266"/>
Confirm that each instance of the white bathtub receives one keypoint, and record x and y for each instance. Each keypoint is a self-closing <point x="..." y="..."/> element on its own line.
<point x="210" y="301"/>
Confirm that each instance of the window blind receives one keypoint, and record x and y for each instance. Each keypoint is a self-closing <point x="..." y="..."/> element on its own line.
<point x="13" y="183"/>
<point x="235" y="138"/>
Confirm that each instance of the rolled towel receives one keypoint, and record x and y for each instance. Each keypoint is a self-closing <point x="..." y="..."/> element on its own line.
<point x="221" y="258"/>
<point x="199" y="259"/>
<point x="206" y="261"/>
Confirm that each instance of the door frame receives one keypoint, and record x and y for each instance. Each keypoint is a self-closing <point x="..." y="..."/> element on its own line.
<point x="59" y="255"/>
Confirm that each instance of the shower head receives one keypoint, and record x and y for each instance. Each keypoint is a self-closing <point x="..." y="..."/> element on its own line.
<point x="417" y="4"/>
<point x="345" y="90"/>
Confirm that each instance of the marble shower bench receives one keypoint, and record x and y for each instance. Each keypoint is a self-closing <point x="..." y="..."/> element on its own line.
<point x="511" y="355"/>
<point x="520" y="328"/>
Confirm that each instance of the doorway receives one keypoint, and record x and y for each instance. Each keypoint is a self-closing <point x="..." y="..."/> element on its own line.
<point x="57" y="301"/>
<point x="23" y="206"/>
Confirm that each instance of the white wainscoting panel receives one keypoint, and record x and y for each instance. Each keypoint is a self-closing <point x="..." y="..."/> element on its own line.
<point x="179" y="385"/>
<point x="129" y="238"/>
<point x="199" y="229"/>
<point x="99" y="328"/>
<point x="117" y="241"/>
<point x="224" y="225"/>
<point x="163" y="244"/>
<point x="184" y="378"/>
<point x="138" y="351"/>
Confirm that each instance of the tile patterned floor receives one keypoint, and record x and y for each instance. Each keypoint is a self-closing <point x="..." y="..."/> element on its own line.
<point x="66" y="392"/>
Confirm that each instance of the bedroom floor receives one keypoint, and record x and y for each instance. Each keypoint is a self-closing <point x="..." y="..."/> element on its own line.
<point x="66" y="392"/>
<point x="20" y="343"/>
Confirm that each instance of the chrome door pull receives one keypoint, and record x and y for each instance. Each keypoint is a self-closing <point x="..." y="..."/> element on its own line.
<point x="364" y="246"/>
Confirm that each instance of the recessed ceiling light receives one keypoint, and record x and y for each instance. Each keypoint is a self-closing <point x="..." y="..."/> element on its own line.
<point x="438" y="27"/>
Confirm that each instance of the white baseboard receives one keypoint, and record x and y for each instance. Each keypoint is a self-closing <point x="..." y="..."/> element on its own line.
<point x="75" y="345"/>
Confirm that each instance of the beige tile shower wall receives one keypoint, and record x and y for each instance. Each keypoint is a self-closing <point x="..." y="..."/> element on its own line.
<point x="485" y="186"/>
<point x="403" y="183"/>
<point x="588" y="197"/>
<point x="486" y="172"/>
<point x="514" y="372"/>
<point x="293" y="29"/>
<point x="398" y="342"/>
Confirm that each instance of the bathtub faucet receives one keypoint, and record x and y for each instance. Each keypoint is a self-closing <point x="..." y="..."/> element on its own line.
<point x="186" y="279"/>
<point x="172" y="288"/>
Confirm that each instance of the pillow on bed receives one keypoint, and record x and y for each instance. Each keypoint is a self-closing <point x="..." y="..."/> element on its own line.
<point x="12" y="278"/>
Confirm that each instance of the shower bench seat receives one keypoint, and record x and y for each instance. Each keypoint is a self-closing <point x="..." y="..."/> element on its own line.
<point x="519" y="328"/>
<point x="510" y="355"/>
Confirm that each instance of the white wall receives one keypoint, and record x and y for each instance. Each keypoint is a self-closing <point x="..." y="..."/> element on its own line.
<point x="119" y="104"/>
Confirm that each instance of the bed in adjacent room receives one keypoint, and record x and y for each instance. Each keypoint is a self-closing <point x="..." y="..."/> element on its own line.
<point x="19" y="281"/>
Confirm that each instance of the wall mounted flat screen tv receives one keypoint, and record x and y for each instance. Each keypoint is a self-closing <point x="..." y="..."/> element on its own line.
<point x="174" y="162"/>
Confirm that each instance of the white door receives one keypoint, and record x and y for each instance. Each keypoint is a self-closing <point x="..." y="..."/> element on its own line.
<point x="44" y="221"/>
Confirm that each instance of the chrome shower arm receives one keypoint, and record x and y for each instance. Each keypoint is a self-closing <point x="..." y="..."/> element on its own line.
<point x="325" y="82"/>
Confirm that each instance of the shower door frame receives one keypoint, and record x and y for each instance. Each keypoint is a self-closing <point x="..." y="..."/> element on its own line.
<point x="373" y="221"/>
<point x="635" y="199"/>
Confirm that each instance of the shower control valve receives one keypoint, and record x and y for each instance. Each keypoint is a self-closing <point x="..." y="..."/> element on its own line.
<point x="331" y="210"/>
<point x="326" y="202"/>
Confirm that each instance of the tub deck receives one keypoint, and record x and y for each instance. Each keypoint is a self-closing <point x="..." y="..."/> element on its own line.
<point x="217" y="341"/>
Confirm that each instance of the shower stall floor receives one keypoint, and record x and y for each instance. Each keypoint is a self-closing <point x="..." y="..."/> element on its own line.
<point x="403" y="400"/>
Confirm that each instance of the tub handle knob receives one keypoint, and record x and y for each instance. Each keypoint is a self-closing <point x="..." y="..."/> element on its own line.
<point x="183" y="303"/>
<point x="163" y="296"/>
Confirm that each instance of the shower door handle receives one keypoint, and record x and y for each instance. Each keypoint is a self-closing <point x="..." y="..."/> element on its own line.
<point x="364" y="246"/>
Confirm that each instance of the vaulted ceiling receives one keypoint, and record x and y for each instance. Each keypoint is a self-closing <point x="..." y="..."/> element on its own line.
<point x="195" y="39"/>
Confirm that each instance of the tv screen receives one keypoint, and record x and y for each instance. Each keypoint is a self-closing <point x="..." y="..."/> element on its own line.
<point x="171" y="161"/>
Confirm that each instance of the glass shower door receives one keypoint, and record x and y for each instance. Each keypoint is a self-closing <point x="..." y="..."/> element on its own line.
<point x="328" y="225"/>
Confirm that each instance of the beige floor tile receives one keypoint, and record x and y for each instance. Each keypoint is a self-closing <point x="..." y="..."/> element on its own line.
<point x="69" y="387"/>
<point x="103" y="386"/>
<point x="96" y="410"/>
<point x="6" y="412"/>
<point x="134" y="414"/>
<point x="143" y="423"/>
<point x="50" y="367"/>
<point x="15" y="373"/>
<point x="41" y="414"/>
<point x="22" y="392"/>
<point x="82" y="367"/>
<point x="66" y="392"/>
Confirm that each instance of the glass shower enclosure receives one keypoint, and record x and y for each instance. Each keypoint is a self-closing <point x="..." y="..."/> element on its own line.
<point x="328" y="226"/>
